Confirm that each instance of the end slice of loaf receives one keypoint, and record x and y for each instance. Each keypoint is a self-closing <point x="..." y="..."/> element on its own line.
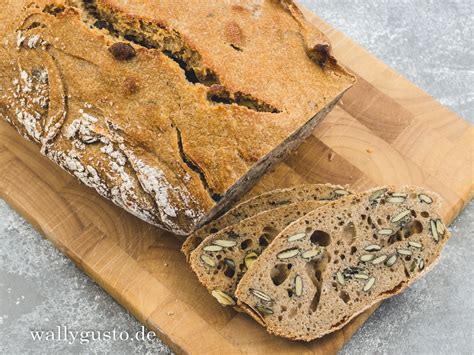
<point x="267" y="201"/>
<point x="354" y="253"/>
<point x="222" y="258"/>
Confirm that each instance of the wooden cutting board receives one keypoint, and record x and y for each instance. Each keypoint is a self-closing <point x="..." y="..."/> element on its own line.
<point x="384" y="131"/>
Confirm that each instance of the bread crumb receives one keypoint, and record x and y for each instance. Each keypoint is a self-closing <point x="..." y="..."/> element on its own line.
<point x="331" y="156"/>
<point x="369" y="150"/>
<point x="165" y="264"/>
<point x="170" y="313"/>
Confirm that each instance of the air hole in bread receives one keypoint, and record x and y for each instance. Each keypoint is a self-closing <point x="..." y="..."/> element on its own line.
<point x="279" y="274"/>
<point x="369" y="221"/>
<point x="413" y="213"/>
<point x="315" y="301"/>
<point x="262" y="241"/>
<point x="219" y="257"/>
<point x="247" y="243"/>
<point x="342" y="256"/>
<point x="283" y="308"/>
<point x="293" y="312"/>
<point x="363" y="216"/>
<point x="424" y="214"/>
<point x="344" y="296"/>
<point x="212" y="231"/>
<point x="280" y="318"/>
<point x="229" y="270"/>
<point x="379" y="221"/>
<point x="397" y="237"/>
<point x="290" y="292"/>
<point x="414" y="227"/>
<point x="320" y="238"/>
<point x="353" y="250"/>
<point x="349" y="233"/>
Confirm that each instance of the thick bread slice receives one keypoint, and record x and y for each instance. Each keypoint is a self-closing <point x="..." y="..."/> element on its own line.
<point x="337" y="261"/>
<point x="222" y="258"/>
<point x="267" y="201"/>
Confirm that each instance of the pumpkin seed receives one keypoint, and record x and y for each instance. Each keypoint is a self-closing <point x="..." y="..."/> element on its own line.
<point x="309" y="254"/>
<point x="369" y="284"/>
<point x="208" y="260"/>
<point x="223" y="298"/>
<point x="212" y="248"/>
<point x="296" y="237"/>
<point x="225" y="243"/>
<point x="288" y="253"/>
<point x="425" y="198"/>
<point x="250" y="258"/>
<point x="298" y="285"/>
<point x="262" y="295"/>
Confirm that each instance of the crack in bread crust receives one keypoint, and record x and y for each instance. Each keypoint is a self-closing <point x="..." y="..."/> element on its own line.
<point x="195" y="167"/>
<point x="153" y="35"/>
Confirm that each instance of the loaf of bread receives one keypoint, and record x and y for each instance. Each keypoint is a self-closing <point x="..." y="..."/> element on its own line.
<point x="267" y="201"/>
<point x="342" y="258"/>
<point x="222" y="258"/>
<point x="171" y="109"/>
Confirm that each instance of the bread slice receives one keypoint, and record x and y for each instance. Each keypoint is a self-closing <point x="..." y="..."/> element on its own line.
<point x="340" y="259"/>
<point x="266" y="201"/>
<point x="222" y="258"/>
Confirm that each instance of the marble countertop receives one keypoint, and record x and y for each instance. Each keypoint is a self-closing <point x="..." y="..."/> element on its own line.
<point x="430" y="42"/>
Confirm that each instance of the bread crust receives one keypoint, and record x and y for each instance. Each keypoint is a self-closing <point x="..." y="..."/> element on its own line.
<point x="123" y="114"/>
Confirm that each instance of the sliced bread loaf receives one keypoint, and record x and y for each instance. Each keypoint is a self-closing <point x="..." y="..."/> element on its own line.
<point x="267" y="201"/>
<point x="222" y="258"/>
<point x="340" y="259"/>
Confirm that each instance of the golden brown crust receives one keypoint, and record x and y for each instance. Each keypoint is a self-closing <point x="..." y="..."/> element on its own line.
<point x="119" y="112"/>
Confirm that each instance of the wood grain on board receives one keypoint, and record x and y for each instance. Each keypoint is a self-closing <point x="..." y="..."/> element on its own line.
<point x="384" y="131"/>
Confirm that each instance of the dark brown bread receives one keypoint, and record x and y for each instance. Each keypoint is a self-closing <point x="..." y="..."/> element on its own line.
<point x="340" y="259"/>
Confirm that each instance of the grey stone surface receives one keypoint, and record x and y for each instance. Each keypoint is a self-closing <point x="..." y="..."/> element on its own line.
<point x="430" y="42"/>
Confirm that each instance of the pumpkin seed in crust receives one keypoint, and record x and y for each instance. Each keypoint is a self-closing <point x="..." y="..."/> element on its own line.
<point x="341" y="192"/>
<point x="399" y="217"/>
<point x="340" y="278"/>
<point x="212" y="248"/>
<point x="262" y="295"/>
<point x="309" y="254"/>
<point x="421" y="264"/>
<point x="250" y="258"/>
<point x="434" y="230"/>
<point x="223" y="298"/>
<point x="298" y="285"/>
<point x="264" y="309"/>
<point x="225" y="243"/>
<point x="396" y="199"/>
<point x="288" y="253"/>
<point x="440" y="227"/>
<point x="296" y="237"/>
<point x="379" y="259"/>
<point x="367" y="257"/>
<point x="377" y="194"/>
<point x="425" y="198"/>
<point x="399" y="194"/>
<point x="369" y="284"/>
<point x="208" y="260"/>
